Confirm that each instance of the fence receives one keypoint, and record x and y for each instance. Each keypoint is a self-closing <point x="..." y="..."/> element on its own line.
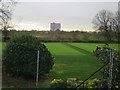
<point x="110" y="62"/>
<point x="37" y="66"/>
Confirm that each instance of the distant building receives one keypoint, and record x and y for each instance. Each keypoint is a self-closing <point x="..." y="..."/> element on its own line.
<point x="55" y="26"/>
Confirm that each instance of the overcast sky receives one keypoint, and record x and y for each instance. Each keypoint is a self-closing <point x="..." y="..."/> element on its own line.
<point x="71" y="15"/>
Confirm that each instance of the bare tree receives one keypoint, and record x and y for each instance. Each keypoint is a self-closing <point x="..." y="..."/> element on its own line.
<point x="115" y="26"/>
<point x="119" y="20"/>
<point x="6" y="8"/>
<point x="103" y="21"/>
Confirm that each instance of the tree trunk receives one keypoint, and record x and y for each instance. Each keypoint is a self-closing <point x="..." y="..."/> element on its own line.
<point x="5" y="34"/>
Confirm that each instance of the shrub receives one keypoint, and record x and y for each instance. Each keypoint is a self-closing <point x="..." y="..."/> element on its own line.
<point x="93" y="84"/>
<point x="58" y="83"/>
<point x="103" y="54"/>
<point x="20" y="57"/>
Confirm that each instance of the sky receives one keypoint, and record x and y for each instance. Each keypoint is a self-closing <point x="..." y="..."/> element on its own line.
<point x="67" y="0"/>
<point x="72" y="15"/>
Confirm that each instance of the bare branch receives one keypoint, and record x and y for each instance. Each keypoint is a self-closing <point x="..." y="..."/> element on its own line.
<point x="103" y="21"/>
<point x="6" y="8"/>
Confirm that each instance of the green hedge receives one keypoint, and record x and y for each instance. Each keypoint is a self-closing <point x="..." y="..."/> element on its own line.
<point x="20" y="57"/>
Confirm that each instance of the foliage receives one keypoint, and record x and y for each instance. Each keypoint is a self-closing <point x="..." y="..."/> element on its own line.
<point x="20" y="57"/>
<point x="11" y="87"/>
<point x="95" y="83"/>
<point x="58" y="83"/>
<point x="65" y="36"/>
<point x="103" y="54"/>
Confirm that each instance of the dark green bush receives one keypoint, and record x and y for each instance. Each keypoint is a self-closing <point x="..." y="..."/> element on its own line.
<point x="20" y="57"/>
<point x="103" y="54"/>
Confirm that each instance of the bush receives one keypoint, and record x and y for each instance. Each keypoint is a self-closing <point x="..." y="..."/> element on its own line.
<point x="20" y="57"/>
<point x="95" y="83"/>
<point x="58" y="83"/>
<point x="103" y="54"/>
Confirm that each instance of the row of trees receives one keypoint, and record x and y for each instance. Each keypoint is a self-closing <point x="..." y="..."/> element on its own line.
<point x="108" y="23"/>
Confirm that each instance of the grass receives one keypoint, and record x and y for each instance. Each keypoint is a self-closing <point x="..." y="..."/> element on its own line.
<point x="60" y="49"/>
<point x="91" y="37"/>
<point x="2" y="47"/>
<point x="92" y="46"/>
<point x="42" y="85"/>
<point x="70" y="63"/>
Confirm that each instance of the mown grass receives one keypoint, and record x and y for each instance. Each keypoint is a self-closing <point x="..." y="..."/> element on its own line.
<point x="92" y="46"/>
<point x="70" y="63"/>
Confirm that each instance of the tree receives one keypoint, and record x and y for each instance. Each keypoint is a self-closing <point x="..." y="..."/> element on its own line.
<point x="103" y="21"/>
<point x="115" y="24"/>
<point x="20" y="56"/>
<point x="6" y="8"/>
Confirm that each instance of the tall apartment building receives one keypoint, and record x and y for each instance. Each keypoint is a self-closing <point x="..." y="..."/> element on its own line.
<point x="55" y="26"/>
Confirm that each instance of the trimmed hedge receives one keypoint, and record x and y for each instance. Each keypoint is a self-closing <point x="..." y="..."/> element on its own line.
<point x="20" y="57"/>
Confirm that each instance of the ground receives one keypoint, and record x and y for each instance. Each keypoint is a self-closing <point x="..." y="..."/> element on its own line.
<point x="19" y="82"/>
<point x="72" y="60"/>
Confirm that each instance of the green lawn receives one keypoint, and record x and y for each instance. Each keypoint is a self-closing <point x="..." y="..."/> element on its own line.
<point x="92" y="46"/>
<point x="70" y="63"/>
<point x="2" y="47"/>
<point x="60" y="49"/>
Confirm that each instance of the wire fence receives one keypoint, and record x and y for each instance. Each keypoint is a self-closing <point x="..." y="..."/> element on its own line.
<point x="110" y="63"/>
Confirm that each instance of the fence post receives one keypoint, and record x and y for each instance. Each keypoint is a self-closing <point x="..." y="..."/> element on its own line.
<point x="37" y="69"/>
<point x="110" y="69"/>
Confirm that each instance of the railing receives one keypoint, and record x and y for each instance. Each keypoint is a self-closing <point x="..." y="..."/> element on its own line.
<point x="82" y="83"/>
<point x="110" y="62"/>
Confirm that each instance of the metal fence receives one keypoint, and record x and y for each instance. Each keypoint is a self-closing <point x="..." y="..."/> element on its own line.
<point x="110" y="63"/>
